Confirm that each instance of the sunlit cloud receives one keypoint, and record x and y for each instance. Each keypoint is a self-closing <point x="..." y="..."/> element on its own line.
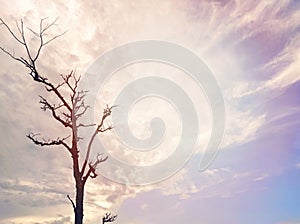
<point x="252" y="48"/>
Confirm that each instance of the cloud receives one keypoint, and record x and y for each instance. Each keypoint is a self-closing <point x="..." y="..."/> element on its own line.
<point x="251" y="47"/>
<point x="60" y="219"/>
<point x="213" y="183"/>
<point x="262" y="177"/>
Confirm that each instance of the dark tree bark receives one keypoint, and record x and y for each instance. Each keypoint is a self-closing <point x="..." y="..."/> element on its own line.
<point x="79" y="203"/>
<point x="67" y="111"/>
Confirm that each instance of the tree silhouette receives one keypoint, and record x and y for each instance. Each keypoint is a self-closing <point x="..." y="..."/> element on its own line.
<point x="108" y="217"/>
<point x="68" y="110"/>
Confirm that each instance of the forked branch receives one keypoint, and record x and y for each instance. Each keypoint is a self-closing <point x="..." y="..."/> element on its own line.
<point x="30" y="62"/>
<point x="93" y="166"/>
<point x="100" y="128"/>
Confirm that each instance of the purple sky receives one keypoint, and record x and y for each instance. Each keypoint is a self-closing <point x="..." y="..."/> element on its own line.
<point x="252" y="48"/>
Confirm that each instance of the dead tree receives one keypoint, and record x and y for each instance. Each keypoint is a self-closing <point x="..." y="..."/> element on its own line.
<point x="67" y="111"/>
<point x="108" y="217"/>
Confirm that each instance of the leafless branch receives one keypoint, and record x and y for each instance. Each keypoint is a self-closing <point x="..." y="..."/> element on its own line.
<point x="10" y="31"/>
<point x="50" y="88"/>
<point x="53" y="38"/>
<point x="85" y="125"/>
<point x="11" y="55"/>
<point x="79" y="105"/>
<point x="108" y="217"/>
<point x="30" y="63"/>
<point x="53" y="108"/>
<point x="67" y="81"/>
<point x="106" y="112"/>
<point x="93" y="166"/>
<point x="72" y="202"/>
<point x="49" y="142"/>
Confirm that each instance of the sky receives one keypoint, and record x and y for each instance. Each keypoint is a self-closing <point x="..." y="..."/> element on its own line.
<point x="253" y="50"/>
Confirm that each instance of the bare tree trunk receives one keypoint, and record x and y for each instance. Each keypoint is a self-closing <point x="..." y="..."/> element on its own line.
<point x="79" y="203"/>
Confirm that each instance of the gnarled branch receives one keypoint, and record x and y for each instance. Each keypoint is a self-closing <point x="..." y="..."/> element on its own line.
<point x="49" y="142"/>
